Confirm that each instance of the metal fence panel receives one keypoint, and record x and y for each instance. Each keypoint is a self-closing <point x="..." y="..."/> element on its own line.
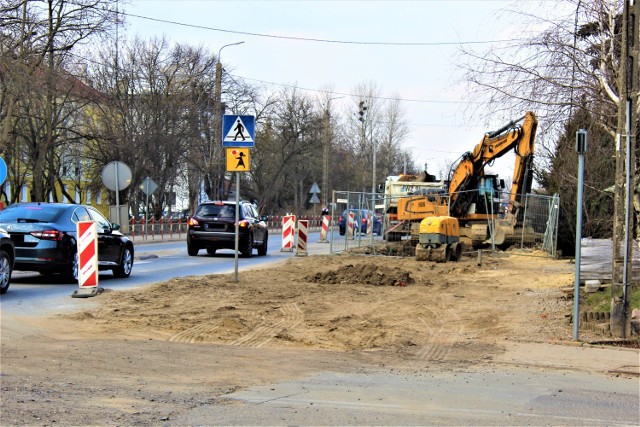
<point x="536" y="220"/>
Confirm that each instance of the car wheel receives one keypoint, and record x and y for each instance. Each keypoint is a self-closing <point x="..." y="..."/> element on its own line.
<point x="71" y="274"/>
<point x="248" y="247"/>
<point x="126" y="264"/>
<point x="192" y="250"/>
<point x="5" y="272"/>
<point x="262" y="249"/>
<point x="211" y="251"/>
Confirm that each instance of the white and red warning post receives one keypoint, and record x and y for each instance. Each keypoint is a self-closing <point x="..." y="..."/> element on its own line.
<point x="303" y="232"/>
<point x="288" y="230"/>
<point x="87" y="254"/>
<point x="325" y="229"/>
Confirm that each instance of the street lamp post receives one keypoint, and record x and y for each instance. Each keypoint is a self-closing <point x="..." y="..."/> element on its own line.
<point x="326" y="151"/>
<point x="217" y="121"/>
<point x="325" y="156"/>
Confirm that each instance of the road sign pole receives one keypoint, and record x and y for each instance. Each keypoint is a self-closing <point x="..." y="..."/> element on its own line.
<point x="117" y="196"/>
<point x="237" y="227"/>
<point x="146" y="212"/>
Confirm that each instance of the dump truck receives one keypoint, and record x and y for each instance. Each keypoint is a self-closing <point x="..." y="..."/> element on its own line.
<point x="401" y="186"/>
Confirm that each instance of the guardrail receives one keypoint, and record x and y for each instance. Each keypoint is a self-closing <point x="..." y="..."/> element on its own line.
<point x="168" y="229"/>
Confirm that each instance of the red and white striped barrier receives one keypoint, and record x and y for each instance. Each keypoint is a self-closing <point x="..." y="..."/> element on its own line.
<point x="369" y="224"/>
<point x="352" y="225"/>
<point x="325" y="229"/>
<point x="288" y="224"/>
<point x="303" y="232"/>
<point x="87" y="254"/>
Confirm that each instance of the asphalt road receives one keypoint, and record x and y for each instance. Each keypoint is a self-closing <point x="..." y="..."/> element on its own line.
<point x="155" y="261"/>
<point x="504" y="396"/>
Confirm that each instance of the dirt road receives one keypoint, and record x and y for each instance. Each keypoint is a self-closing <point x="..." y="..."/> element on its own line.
<point x="146" y="354"/>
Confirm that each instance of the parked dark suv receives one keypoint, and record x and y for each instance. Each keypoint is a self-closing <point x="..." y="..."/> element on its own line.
<point x="212" y="227"/>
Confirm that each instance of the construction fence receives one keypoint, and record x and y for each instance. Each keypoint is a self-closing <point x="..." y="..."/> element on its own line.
<point x="536" y="220"/>
<point x="169" y="229"/>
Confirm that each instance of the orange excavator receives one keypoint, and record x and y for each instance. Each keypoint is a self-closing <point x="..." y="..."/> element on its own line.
<point x="472" y="196"/>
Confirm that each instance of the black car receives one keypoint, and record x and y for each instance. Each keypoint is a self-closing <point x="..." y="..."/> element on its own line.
<point x="44" y="235"/>
<point x="360" y="217"/>
<point x="212" y="227"/>
<point x="7" y="258"/>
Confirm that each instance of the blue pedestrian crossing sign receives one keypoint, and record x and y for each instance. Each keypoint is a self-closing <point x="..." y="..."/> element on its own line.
<point x="238" y="131"/>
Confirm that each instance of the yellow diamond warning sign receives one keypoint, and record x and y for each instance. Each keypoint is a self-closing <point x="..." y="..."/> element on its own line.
<point x="237" y="159"/>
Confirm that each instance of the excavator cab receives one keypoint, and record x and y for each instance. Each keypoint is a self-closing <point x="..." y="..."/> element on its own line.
<point x="482" y="198"/>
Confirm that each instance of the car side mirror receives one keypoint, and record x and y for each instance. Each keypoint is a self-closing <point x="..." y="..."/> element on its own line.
<point x="264" y="218"/>
<point x="115" y="226"/>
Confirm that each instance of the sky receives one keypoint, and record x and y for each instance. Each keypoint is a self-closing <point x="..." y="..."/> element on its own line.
<point x="419" y="66"/>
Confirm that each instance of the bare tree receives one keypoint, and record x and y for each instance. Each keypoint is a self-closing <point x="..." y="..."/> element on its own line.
<point x="377" y="129"/>
<point x="566" y="66"/>
<point x="571" y="67"/>
<point x="158" y="117"/>
<point x="365" y="128"/>
<point x="290" y="143"/>
<point x="38" y="40"/>
<point x="395" y="130"/>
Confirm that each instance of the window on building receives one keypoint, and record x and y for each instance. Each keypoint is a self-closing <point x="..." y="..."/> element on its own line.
<point x="65" y="191"/>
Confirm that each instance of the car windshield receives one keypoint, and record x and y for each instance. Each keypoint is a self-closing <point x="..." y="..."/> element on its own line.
<point x="31" y="213"/>
<point x="223" y="211"/>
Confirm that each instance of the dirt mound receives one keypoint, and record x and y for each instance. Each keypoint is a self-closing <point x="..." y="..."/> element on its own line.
<point x="364" y="274"/>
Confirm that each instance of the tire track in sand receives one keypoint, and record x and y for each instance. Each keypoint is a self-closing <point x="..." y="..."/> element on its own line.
<point x="292" y="316"/>
<point x="198" y="333"/>
<point x="443" y="330"/>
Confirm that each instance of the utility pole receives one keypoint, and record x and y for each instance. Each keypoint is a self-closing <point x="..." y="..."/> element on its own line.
<point x="217" y="119"/>
<point x="626" y="146"/>
<point x="325" y="156"/>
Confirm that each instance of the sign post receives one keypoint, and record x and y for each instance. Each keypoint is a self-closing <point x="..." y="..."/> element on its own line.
<point x="581" y="149"/>
<point x="148" y="186"/>
<point x="116" y="176"/>
<point x="238" y="133"/>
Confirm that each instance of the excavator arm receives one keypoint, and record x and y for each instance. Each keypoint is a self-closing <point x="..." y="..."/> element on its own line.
<point x="522" y="172"/>
<point x="470" y="169"/>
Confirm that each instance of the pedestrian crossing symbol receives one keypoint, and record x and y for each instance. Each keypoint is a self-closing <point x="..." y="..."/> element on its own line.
<point x="238" y="131"/>
<point x="237" y="159"/>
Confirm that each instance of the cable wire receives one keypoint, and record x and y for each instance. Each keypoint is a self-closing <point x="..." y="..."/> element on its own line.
<point x="308" y="39"/>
